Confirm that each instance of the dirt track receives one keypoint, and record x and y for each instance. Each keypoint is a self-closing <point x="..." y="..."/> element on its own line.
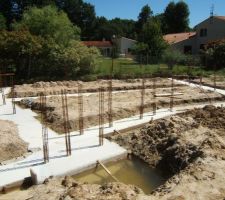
<point x="125" y="104"/>
<point x="11" y="145"/>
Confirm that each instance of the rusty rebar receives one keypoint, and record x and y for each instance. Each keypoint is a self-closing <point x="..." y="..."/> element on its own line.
<point x="80" y="109"/>
<point x="142" y="98"/>
<point x="101" y="115"/>
<point x="214" y="78"/>
<point x="200" y="80"/>
<point x="66" y="122"/>
<point x="154" y="106"/>
<point x="43" y="110"/>
<point x="172" y="94"/>
<point x="110" y="110"/>
<point x="13" y="93"/>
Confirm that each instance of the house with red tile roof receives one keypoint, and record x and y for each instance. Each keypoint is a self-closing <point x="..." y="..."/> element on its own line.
<point x="209" y="30"/>
<point x="104" y="46"/>
<point x="123" y="45"/>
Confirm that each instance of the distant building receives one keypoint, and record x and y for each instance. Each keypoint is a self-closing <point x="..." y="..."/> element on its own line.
<point x="207" y="31"/>
<point x="104" y="46"/>
<point x="124" y="45"/>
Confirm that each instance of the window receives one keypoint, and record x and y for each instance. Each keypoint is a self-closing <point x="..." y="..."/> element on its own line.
<point x="203" y="32"/>
<point x="188" y="49"/>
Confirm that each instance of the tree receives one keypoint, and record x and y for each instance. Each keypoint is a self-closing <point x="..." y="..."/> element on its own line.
<point x="18" y="50"/>
<point x="143" y="17"/>
<point x="81" y="14"/>
<point x="152" y="36"/>
<point x="48" y="23"/>
<point x="2" y="22"/>
<point x="176" y="17"/>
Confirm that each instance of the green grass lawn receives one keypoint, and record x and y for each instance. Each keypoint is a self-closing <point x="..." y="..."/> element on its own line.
<point x="124" y="66"/>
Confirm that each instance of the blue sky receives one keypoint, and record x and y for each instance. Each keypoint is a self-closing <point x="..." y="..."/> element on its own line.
<point x="129" y="9"/>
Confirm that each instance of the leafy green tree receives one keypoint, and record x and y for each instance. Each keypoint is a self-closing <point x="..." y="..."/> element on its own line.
<point x="19" y="50"/>
<point x="48" y="23"/>
<point x="152" y="36"/>
<point x="35" y="57"/>
<point x="176" y="17"/>
<point x="145" y="14"/>
<point x="2" y="22"/>
<point x="81" y="14"/>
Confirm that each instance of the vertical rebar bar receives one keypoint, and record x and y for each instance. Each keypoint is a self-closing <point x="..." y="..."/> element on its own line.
<point x="200" y="80"/>
<point x="80" y="109"/>
<point x="154" y="106"/>
<point x="214" y="78"/>
<point x="110" y="110"/>
<point x="142" y="98"/>
<point x="172" y="94"/>
<point x="2" y="89"/>
<point x="13" y="93"/>
<point x="43" y="110"/>
<point x="101" y="115"/>
<point x="66" y="122"/>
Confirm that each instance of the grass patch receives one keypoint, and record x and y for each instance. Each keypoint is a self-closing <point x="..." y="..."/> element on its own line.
<point x="127" y="67"/>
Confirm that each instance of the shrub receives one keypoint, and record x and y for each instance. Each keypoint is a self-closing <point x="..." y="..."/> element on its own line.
<point x="172" y="58"/>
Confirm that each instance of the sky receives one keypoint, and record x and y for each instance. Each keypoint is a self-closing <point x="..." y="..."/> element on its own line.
<point x="129" y="9"/>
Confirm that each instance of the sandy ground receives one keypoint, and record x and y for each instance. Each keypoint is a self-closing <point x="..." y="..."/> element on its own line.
<point x="11" y="145"/>
<point x="189" y="147"/>
<point x="125" y="104"/>
<point x="54" y="88"/>
<point x="220" y="81"/>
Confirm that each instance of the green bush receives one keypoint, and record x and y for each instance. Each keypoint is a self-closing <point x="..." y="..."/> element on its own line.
<point x="33" y="56"/>
<point x="172" y="58"/>
<point x="49" y="23"/>
<point x="219" y="56"/>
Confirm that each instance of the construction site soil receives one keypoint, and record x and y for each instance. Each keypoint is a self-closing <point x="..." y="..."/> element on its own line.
<point x="11" y="145"/>
<point x="54" y="88"/>
<point x="217" y="82"/>
<point x="125" y="104"/>
<point x="189" y="148"/>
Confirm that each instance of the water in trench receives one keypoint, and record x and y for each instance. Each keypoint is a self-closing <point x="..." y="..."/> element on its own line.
<point x="134" y="171"/>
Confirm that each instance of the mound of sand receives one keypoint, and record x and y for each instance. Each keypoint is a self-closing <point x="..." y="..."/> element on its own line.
<point x="12" y="146"/>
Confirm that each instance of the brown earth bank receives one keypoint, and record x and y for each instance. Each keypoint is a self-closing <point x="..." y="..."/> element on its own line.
<point x="11" y="145"/>
<point x="125" y="104"/>
<point x="188" y="147"/>
<point x="54" y="88"/>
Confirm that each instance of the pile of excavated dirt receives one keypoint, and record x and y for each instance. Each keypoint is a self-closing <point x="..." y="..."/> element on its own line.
<point x="54" y="88"/>
<point x="11" y="145"/>
<point x="125" y="104"/>
<point x="189" y="148"/>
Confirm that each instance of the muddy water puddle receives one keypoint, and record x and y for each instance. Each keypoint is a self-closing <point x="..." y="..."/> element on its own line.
<point x="134" y="172"/>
